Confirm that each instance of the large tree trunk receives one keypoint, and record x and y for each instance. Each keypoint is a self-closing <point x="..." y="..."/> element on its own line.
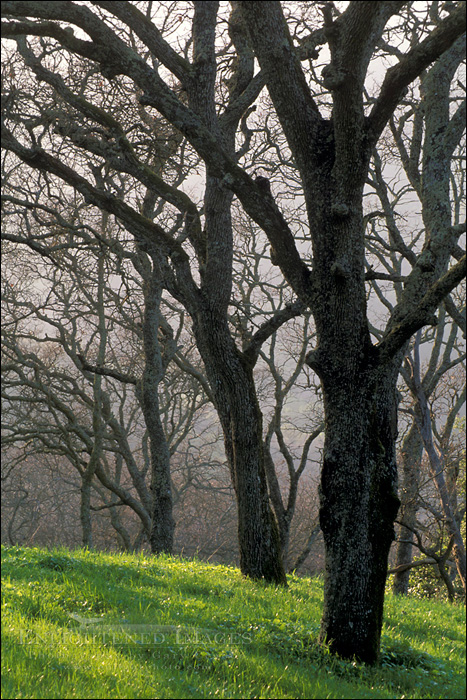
<point x="358" y="489"/>
<point x="357" y="509"/>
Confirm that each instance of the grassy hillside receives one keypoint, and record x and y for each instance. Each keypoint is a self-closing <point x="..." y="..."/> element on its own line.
<point x="94" y="625"/>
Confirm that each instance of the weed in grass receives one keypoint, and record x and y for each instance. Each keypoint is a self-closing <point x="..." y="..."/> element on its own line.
<point x="58" y="563"/>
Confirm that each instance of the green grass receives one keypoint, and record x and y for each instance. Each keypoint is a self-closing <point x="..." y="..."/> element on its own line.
<point x="171" y="628"/>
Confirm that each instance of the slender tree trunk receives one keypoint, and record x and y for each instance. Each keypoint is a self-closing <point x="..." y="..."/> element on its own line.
<point x="300" y="560"/>
<point x="163" y="524"/>
<point x="411" y="457"/>
<point x="231" y="380"/>
<point x="282" y="515"/>
<point x="85" y="512"/>
<point x="97" y="422"/>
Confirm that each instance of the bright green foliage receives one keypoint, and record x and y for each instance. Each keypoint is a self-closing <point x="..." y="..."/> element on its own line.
<point x="218" y="635"/>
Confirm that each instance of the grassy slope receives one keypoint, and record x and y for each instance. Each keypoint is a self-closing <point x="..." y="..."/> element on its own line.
<point x="228" y="637"/>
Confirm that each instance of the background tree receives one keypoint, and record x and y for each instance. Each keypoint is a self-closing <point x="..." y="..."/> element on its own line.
<point x="444" y="479"/>
<point x="51" y="350"/>
<point x="68" y="315"/>
<point x="434" y="568"/>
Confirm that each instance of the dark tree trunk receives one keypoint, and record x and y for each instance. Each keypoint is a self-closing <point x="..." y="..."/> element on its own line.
<point x="358" y="504"/>
<point x="358" y="489"/>
<point x="410" y="462"/>
<point x="229" y="375"/>
<point x="231" y="380"/>
<point x="282" y="514"/>
<point x="85" y="512"/>
<point x="162" y="522"/>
